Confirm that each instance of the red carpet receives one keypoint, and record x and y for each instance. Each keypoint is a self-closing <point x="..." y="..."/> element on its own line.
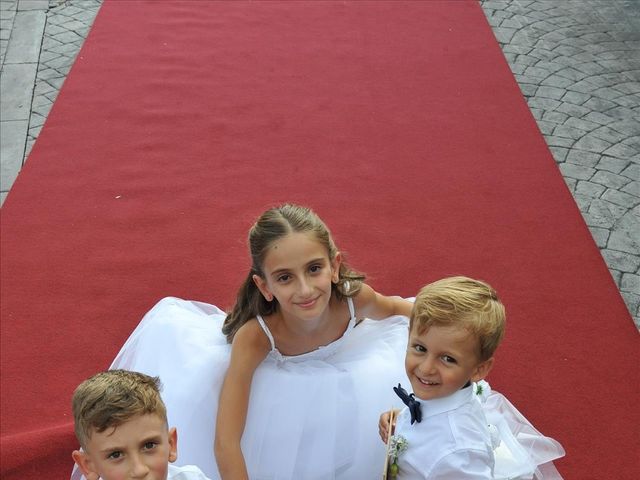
<point x="399" y="122"/>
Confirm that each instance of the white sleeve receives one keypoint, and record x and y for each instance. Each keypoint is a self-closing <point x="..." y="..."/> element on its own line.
<point x="463" y="465"/>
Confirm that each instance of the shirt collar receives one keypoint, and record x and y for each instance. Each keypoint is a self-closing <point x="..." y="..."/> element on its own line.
<point x="441" y="405"/>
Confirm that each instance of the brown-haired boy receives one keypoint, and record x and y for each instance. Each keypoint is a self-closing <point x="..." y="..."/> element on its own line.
<point x="121" y="424"/>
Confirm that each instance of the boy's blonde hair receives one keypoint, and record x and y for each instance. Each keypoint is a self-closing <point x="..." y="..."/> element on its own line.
<point x="109" y="399"/>
<point x="465" y="302"/>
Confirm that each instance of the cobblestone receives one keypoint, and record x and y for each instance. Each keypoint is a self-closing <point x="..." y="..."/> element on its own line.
<point x="578" y="66"/>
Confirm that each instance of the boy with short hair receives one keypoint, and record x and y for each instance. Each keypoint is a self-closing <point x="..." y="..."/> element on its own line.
<point x="455" y="327"/>
<point x="121" y="424"/>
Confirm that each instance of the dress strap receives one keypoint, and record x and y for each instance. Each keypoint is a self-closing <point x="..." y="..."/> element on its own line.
<point x="266" y="331"/>
<point x="352" y="311"/>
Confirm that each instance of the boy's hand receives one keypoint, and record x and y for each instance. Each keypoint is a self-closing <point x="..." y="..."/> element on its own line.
<point x="383" y="425"/>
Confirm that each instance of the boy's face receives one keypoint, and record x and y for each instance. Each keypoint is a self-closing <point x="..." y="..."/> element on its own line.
<point x="140" y="448"/>
<point x="442" y="359"/>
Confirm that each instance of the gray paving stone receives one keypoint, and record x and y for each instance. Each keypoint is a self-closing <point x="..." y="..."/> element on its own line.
<point x="567" y="132"/>
<point x="608" y="134"/>
<point x="551" y="92"/>
<point x="571" y="183"/>
<point x="555" y="117"/>
<point x="624" y="262"/>
<point x="67" y="37"/>
<point x="594" y="190"/>
<point x="554" y="141"/>
<point x="632" y="171"/>
<point x="581" y="123"/>
<point x="589" y="68"/>
<point x="578" y="172"/>
<point x="633" y="303"/>
<point x="12" y="141"/>
<point x="599" y="104"/>
<point x="16" y="84"/>
<point x="617" y="276"/>
<point x="632" y="188"/>
<point x="580" y="157"/>
<point x="621" y="151"/>
<point x="528" y="90"/>
<point x="611" y="164"/>
<point x="610" y="180"/>
<point x="632" y="142"/>
<point x="600" y="235"/>
<point x="547" y="127"/>
<point x="25" y="5"/>
<point x="630" y="283"/>
<point x="622" y="113"/>
<point x="626" y="125"/>
<point x="575" y="97"/>
<point x="536" y="112"/>
<point x="572" y="74"/>
<point x="26" y="37"/>
<point x="620" y="198"/>
<point x="559" y="153"/>
<point x="573" y="110"/>
<point x="543" y="103"/>
<point x="602" y="213"/>
<point x="583" y="201"/>
<point x="592" y="144"/>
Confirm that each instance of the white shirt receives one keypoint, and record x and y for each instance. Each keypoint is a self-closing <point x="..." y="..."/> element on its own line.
<point x="451" y="443"/>
<point x="188" y="472"/>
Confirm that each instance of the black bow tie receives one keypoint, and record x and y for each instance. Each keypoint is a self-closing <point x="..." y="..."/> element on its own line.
<point x="410" y="401"/>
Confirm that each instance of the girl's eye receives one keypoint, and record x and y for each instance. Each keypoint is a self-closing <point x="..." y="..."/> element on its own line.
<point x="448" y="359"/>
<point x="150" y="445"/>
<point x="315" y="268"/>
<point x="419" y="348"/>
<point x="283" y="278"/>
<point x="115" y="455"/>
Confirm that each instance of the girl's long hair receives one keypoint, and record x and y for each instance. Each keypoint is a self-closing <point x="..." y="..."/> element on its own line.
<point x="271" y="226"/>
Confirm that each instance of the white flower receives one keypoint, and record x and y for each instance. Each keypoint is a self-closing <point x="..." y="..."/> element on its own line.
<point x="398" y="445"/>
<point x="482" y="390"/>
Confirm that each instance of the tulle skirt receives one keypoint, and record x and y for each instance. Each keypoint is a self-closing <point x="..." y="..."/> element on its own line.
<point x="523" y="452"/>
<point x="316" y="418"/>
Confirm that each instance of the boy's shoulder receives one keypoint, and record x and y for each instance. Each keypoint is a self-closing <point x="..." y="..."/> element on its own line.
<point x="188" y="472"/>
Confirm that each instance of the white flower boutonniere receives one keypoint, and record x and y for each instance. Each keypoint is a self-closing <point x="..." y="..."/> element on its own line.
<point x="398" y="445"/>
<point x="482" y="390"/>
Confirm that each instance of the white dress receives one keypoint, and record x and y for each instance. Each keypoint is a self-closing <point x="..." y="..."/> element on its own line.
<point x="312" y="416"/>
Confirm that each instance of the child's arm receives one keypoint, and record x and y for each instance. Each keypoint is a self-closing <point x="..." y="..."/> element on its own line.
<point x="371" y="304"/>
<point x="250" y="347"/>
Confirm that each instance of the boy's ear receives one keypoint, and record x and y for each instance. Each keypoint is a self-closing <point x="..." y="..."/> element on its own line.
<point x="262" y="286"/>
<point x="335" y="267"/>
<point x="173" y="444"/>
<point x="482" y="370"/>
<point x="85" y="464"/>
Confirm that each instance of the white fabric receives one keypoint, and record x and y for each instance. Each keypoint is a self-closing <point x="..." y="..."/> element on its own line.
<point x="310" y="417"/>
<point x="451" y="442"/>
<point x="188" y="472"/>
<point x="469" y="436"/>
<point x="524" y="453"/>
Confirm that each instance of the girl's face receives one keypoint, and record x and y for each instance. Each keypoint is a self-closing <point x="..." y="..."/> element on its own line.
<point x="442" y="359"/>
<point x="298" y="273"/>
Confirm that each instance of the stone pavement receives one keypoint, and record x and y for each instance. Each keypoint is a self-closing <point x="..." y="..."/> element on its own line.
<point x="577" y="63"/>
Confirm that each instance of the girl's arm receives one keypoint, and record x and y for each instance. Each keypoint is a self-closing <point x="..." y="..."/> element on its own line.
<point x="371" y="304"/>
<point x="250" y="346"/>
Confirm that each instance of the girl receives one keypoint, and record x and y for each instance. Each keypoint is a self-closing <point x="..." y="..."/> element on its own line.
<point x="298" y="391"/>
